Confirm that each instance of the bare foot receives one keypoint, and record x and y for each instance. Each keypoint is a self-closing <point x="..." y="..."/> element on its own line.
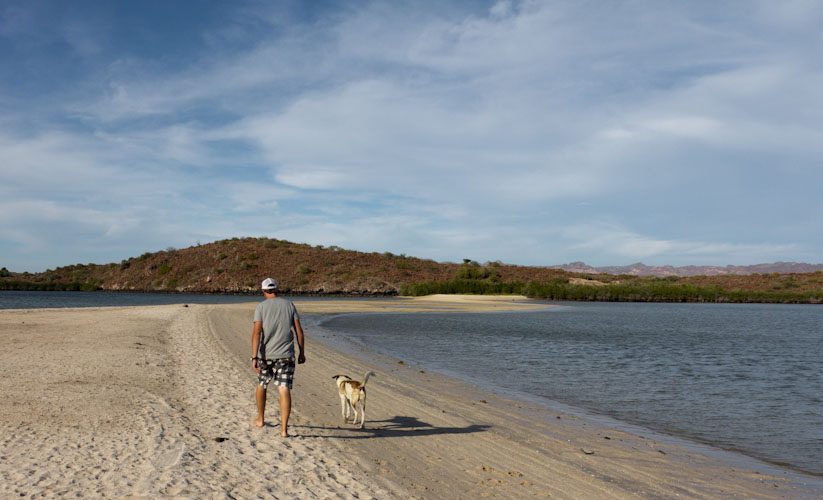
<point x="259" y="422"/>
<point x="284" y="434"/>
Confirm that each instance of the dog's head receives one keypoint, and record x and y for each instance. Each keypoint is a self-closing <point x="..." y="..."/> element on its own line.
<point x="340" y="378"/>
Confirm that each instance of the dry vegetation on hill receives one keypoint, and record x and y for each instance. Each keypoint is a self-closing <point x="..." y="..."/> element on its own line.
<point x="237" y="265"/>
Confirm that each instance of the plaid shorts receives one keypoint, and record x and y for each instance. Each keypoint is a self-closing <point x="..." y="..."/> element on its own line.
<point x="279" y="370"/>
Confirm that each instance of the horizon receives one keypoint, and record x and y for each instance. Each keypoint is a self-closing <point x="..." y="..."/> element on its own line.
<point x="532" y="132"/>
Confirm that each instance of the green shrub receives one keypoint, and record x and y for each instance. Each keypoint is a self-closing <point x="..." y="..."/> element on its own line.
<point x="164" y="269"/>
<point x="637" y="291"/>
<point x="404" y="265"/>
<point x="48" y="286"/>
<point x="469" y="272"/>
<point x="304" y="269"/>
<point x="789" y="283"/>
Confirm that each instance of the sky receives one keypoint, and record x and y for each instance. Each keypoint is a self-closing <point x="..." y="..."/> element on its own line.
<point x="525" y="132"/>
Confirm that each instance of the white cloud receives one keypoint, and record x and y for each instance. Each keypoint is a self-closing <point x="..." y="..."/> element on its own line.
<point x="36" y="225"/>
<point x="696" y="127"/>
<point x="53" y="161"/>
<point x="433" y="131"/>
<point x="257" y="196"/>
<point x="609" y="238"/>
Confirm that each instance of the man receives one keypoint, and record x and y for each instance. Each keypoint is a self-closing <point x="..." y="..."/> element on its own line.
<point x="276" y="324"/>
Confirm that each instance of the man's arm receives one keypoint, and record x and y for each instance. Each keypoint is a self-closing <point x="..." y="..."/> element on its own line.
<point x="298" y="330"/>
<point x="255" y="344"/>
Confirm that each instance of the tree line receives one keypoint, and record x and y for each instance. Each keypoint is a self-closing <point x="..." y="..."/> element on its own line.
<point x="651" y="291"/>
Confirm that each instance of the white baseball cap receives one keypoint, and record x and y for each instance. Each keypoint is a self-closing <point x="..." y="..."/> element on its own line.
<point x="269" y="284"/>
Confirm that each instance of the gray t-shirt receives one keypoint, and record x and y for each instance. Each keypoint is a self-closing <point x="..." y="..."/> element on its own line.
<point x="277" y="338"/>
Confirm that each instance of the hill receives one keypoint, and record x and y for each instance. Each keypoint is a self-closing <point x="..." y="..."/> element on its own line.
<point x="238" y="265"/>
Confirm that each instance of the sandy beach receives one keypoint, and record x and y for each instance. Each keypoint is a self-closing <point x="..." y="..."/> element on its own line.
<point x="157" y="402"/>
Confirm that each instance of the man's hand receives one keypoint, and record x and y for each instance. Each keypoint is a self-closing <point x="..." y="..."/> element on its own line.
<point x="301" y="358"/>
<point x="256" y="365"/>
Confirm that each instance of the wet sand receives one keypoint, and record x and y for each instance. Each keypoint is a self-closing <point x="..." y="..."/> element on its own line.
<point x="157" y="402"/>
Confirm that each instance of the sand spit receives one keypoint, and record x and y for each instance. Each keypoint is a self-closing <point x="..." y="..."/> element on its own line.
<point x="141" y="403"/>
<point x="429" y="303"/>
<point x="157" y="402"/>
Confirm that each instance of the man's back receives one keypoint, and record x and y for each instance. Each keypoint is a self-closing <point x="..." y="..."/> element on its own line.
<point x="277" y="316"/>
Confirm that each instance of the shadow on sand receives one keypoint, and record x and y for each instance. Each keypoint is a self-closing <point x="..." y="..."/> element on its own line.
<point x="398" y="426"/>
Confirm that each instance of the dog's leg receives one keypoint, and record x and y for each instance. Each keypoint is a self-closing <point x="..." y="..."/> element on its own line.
<point x="355" y="397"/>
<point x="344" y="408"/>
<point x="363" y="410"/>
<point x="350" y="411"/>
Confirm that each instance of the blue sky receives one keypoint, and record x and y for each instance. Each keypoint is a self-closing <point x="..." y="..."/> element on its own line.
<point x="534" y="133"/>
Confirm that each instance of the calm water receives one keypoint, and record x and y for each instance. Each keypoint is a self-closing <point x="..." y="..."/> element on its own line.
<point x="740" y="377"/>
<point x="38" y="300"/>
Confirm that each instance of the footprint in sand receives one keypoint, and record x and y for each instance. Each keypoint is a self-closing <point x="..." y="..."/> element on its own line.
<point x="170" y="458"/>
<point x="491" y="482"/>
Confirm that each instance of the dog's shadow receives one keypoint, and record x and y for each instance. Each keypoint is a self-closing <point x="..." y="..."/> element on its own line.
<point x="397" y="426"/>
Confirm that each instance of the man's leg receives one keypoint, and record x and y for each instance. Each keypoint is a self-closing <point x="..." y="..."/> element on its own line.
<point x="260" y="396"/>
<point x="285" y="409"/>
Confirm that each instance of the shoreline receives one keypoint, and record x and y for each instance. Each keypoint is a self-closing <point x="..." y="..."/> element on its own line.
<point x="702" y="443"/>
<point x="735" y="456"/>
<point x="406" y="379"/>
<point x="123" y="411"/>
<point x="778" y="299"/>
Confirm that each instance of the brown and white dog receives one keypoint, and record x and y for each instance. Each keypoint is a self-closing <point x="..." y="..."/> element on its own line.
<point x="351" y="393"/>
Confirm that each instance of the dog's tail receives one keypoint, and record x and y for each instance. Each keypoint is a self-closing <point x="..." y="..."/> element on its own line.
<point x="366" y="378"/>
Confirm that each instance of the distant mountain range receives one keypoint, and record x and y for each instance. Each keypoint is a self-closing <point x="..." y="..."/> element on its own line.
<point x="640" y="269"/>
